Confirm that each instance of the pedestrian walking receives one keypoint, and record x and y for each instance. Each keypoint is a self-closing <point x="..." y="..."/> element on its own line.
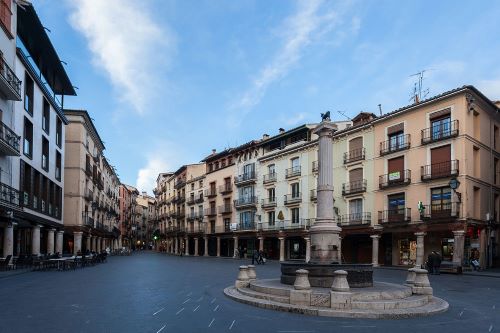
<point x="255" y="257"/>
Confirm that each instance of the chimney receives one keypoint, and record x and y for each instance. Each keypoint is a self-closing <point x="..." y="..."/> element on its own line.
<point x="282" y="130"/>
<point x="144" y="193"/>
<point x="214" y="151"/>
<point x="265" y="136"/>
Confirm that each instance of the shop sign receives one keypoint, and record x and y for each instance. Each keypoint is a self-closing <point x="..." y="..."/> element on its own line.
<point x="394" y="175"/>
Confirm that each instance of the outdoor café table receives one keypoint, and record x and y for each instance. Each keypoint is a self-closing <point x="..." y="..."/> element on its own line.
<point x="59" y="262"/>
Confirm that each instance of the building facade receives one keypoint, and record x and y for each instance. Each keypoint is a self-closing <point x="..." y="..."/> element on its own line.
<point x="128" y="215"/>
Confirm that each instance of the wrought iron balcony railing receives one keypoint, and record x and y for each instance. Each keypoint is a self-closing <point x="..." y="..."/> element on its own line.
<point x="393" y="179"/>
<point x="394" y="215"/>
<point x="354" y="155"/>
<point x="210" y="211"/>
<point x="446" y="210"/>
<point x="269" y="178"/>
<point x="248" y="177"/>
<point x="9" y="82"/>
<point x="395" y="144"/>
<point x="211" y="192"/>
<point x="226" y="188"/>
<point x="293" y="198"/>
<point x="9" y="141"/>
<point x="293" y="172"/>
<point x="9" y="195"/>
<point x="225" y="209"/>
<point x="358" y="186"/>
<point x="245" y="201"/>
<point x="355" y="219"/>
<point x="440" y="131"/>
<point x="269" y="202"/>
<point x="439" y="170"/>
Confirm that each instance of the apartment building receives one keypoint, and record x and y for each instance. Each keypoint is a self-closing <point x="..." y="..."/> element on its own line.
<point x="160" y="192"/>
<point x="148" y="222"/>
<point x="128" y="222"/>
<point x="91" y="194"/>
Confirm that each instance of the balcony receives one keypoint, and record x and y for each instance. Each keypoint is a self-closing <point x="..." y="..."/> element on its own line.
<point x="88" y="221"/>
<point x="225" y="209"/>
<point x="210" y="193"/>
<point x="179" y="183"/>
<point x="9" y="196"/>
<point x="9" y="141"/>
<point x="441" y="211"/>
<point x="181" y="214"/>
<point x="315" y="166"/>
<point x="401" y="215"/>
<point x="246" y="178"/>
<point x="196" y="228"/>
<point x="225" y="189"/>
<point x="246" y="226"/>
<point x="440" y="132"/>
<point x="88" y="168"/>
<point x="270" y="178"/>
<point x="198" y="199"/>
<point x="268" y="202"/>
<point x="358" y="186"/>
<point x="180" y="199"/>
<point x="356" y="219"/>
<point x="190" y="201"/>
<point x="294" y="198"/>
<point x="293" y="172"/>
<point x="89" y="195"/>
<point x="395" y="144"/>
<point x="314" y="195"/>
<point x="10" y="85"/>
<point x="439" y="170"/>
<point x="194" y="216"/>
<point x="394" y="179"/>
<point x="210" y="211"/>
<point x="301" y="224"/>
<point x="354" y="155"/>
<point x="243" y="202"/>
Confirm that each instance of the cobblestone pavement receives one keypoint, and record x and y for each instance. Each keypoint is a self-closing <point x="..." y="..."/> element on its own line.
<point x="151" y="292"/>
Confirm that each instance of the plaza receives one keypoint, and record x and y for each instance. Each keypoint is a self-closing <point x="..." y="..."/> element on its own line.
<point x="152" y="292"/>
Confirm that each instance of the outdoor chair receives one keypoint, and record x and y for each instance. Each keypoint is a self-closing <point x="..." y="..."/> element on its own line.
<point x="4" y="265"/>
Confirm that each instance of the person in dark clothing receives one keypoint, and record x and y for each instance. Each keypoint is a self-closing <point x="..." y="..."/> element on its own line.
<point x="430" y="263"/>
<point x="255" y="257"/>
<point x="436" y="262"/>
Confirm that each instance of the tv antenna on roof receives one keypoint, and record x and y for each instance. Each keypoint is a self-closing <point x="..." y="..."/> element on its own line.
<point x="419" y="93"/>
<point x="343" y="114"/>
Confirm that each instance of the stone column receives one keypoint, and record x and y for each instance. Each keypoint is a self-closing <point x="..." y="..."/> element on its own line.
<point x="235" y="246"/>
<point x="482" y="248"/>
<point x="120" y="242"/>
<point x="420" y="249"/>
<point x="375" y="246"/>
<point x="8" y="240"/>
<point x="458" y="247"/>
<point x="196" y="246"/>
<point x="340" y="250"/>
<point x="77" y="242"/>
<point x="218" y="246"/>
<point x="186" y="246"/>
<point x="176" y="250"/>
<point x="89" y="241"/>
<point x="325" y="232"/>
<point x="282" y="248"/>
<point x="93" y="243"/>
<point x="103" y="244"/>
<point x="261" y="244"/>
<point x="205" y="241"/>
<point x="35" y="240"/>
<point x="308" y="248"/>
<point x="98" y="244"/>
<point x="50" y="241"/>
<point x="59" y="242"/>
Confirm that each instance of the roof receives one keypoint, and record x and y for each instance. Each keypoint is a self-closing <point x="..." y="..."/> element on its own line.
<point x="287" y="133"/>
<point x="215" y="156"/>
<point x="246" y="145"/>
<point x="33" y="36"/>
<point x="88" y="119"/>
<point x="130" y="188"/>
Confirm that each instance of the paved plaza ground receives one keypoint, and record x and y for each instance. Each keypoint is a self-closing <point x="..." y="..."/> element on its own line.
<point x="151" y="292"/>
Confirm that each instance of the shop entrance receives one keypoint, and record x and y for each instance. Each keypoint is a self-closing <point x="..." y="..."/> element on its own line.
<point x="357" y="249"/>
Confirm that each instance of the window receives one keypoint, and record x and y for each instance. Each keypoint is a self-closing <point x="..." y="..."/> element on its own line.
<point x="440" y="199"/>
<point x="46" y="116"/>
<point x="396" y="204"/>
<point x="58" y="165"/>
<point x="271" y="194"/>
<point x="495" y="137"/>
<point x="295" y="190"/>
<point x="36" y="190"/>
<point x="59" y="133"/>
<point x="295" y="164"/>
<point x="210" y="167"/>
<point x="441" y="127"/>
<point x="248" y="169"/>
<point x="396" y="141"/>
<point x="28" y="93"/>
<point x="355" y="210"/>
<point x="45" y="154"/>
<point x="216" y="165"/>
<point x="295" y="215"/>
<point x="271" y="217"/>
<point x="28" y="138"/>
<point x="192" y="186"/>
<point x="246" y="219"/>
<point x="5" y="14"/>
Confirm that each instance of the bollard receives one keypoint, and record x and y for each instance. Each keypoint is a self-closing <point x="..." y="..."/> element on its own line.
<point x="252" y="275"/>
<point x="302" y="280"/>
<point x="340" y="281"/>
<point x="410" y="278"/>
<point x="421" y="285"/>
<point x="242" y="281"/>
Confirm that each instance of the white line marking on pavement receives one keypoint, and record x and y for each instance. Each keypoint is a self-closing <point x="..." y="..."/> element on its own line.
<point x="199" y="299"/>
<point x="213" y="319"/>
<point x="179" y="311"/>
<point x="491" y="328"/>
<point x="196" y="308"/>
<point x="189" y="294"/>
<point x="186" y="301"/>
<point x="213" y="300"/>
<point x="216" y="308"/>
<point x="161" y="329"/>
<point x="230" y="327"/>
<point x="154" y="314"/>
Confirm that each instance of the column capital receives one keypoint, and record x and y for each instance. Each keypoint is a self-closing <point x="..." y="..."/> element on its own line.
<point x="420" y="234"/>
<point x="458" y="233"/>
<point x="261" y="237"/>
<point x="77" y="232"/>
<point x="281" y="238"/>
<point x="38" y="226"/>
<point x="307" y="238"/>
<point x="60" y="231"/>
<point x="52" y="229"/>
<point x="376" y="236"/>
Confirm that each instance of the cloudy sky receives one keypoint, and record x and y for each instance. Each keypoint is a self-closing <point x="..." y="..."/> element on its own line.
<point x="166" y="81"/>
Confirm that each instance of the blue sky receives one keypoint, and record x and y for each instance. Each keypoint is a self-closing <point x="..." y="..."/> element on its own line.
<point x="166" y="81"/>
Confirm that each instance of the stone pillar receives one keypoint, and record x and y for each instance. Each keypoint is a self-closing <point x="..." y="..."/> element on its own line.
<point x="242" y="281"/>
<point x="308" y="248"/>
<point x="98" y="244"/>
<point x="205" y="243"/>
<point x="235" y="246"/>
<point x="458" y="247"/>
<point x="176" y="250"/>
<point x="325" y="232"/>
<point x="218" y="246"/>
<point x="375" y="246"/>
<point x="120" y="242"/>
<point x="77" y="242"/>
<point x="196" y="246"/>
<point x="261" y="244"/>
<point x="93" y="243"/>
<point x="282" y="248"/>
<point x="340" y="250"/>
<point x="482" y="248"/>
<point x="8" y="240"/>
<point x="35" y="240"/>
<point x="89" y="241"/>
<point x="186" y="246"/>
<point x="103" y="245"/>
<point x="59" y="242"/>
<point x="50" y="241"/>
<point x="340" y="281"/>
<point x="420" y="249"/>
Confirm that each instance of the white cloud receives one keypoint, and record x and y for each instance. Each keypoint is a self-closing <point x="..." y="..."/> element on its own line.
<point x="164" y="157"/>
<point x="127" y="44"/>
<point x="312" y="20"/>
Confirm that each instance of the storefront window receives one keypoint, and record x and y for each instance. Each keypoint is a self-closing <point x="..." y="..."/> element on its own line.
<point x="447" y="248"/>
<point x="407" y="252"/>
